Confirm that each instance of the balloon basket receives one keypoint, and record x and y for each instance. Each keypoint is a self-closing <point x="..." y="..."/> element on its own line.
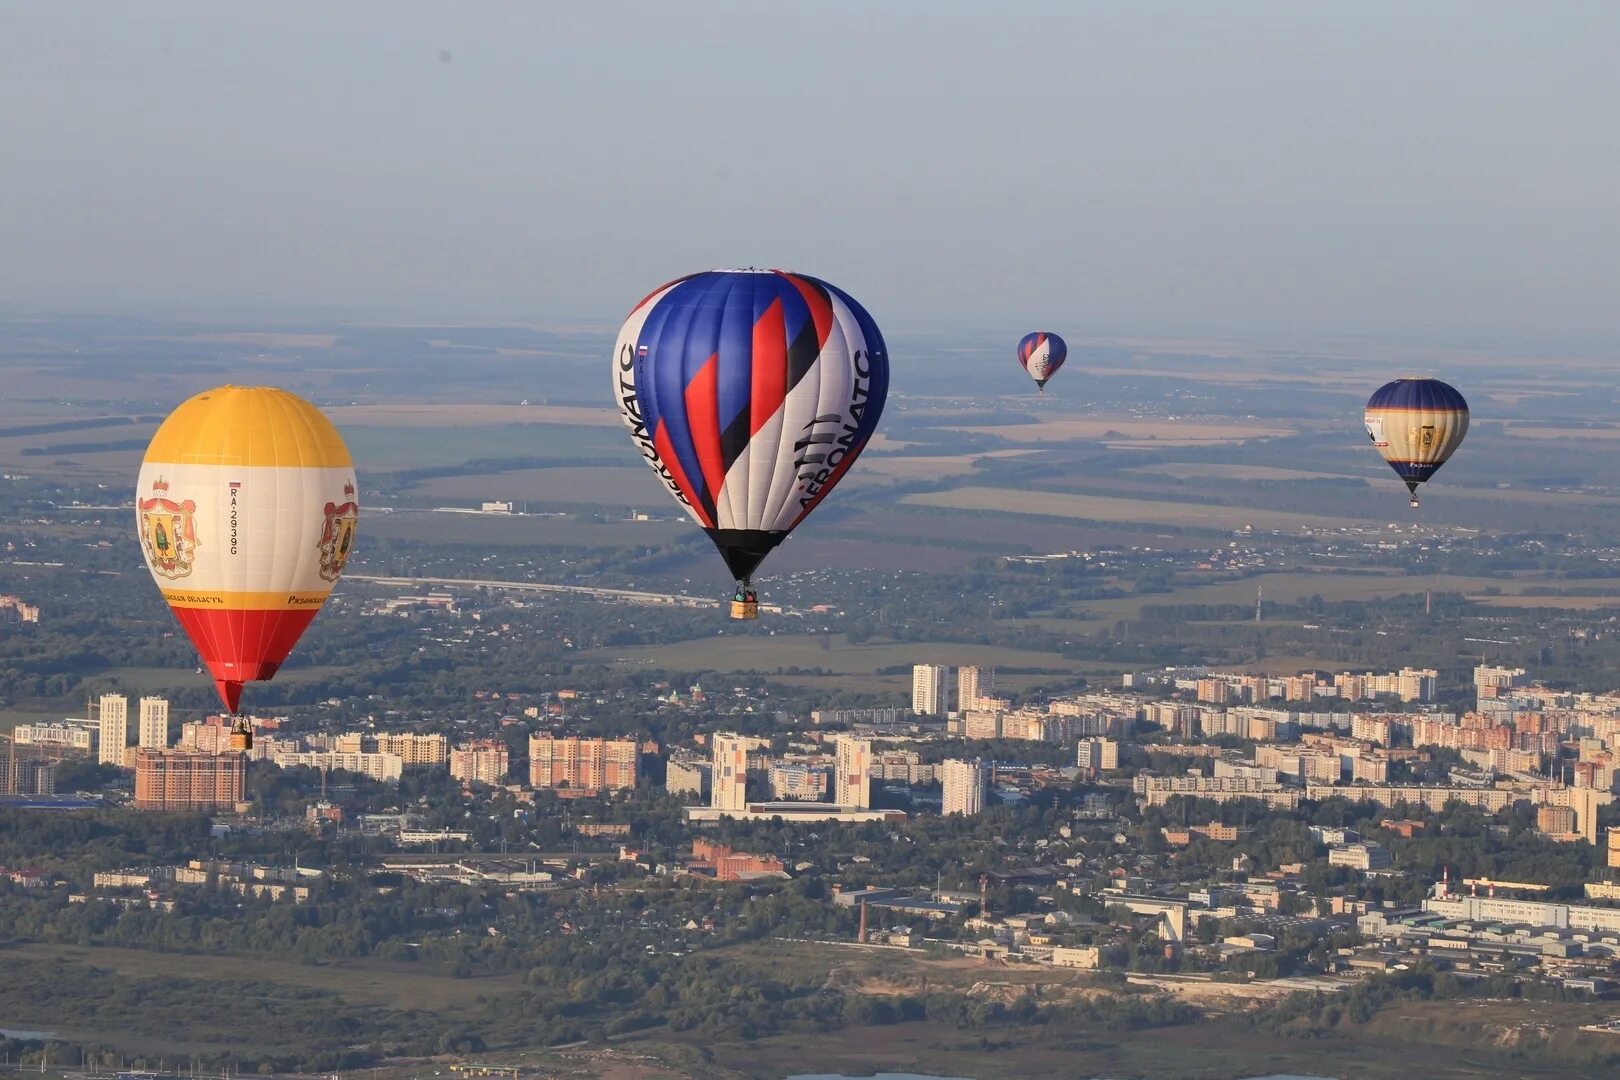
<point x="745" y="609"/>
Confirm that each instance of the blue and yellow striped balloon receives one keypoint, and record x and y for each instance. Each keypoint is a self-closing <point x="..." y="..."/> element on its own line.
<point x="1416" y="423"/>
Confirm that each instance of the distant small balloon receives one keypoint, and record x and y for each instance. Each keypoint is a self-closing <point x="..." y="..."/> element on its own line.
<point x="444" y="56"/>
<point x="1041" y="354"/>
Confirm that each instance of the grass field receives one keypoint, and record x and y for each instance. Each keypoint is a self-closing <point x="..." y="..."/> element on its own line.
<point x="852" y="667"/>
<point x="1221" y="1050"/>
<point x="1455" y="1040"/>
<point x="356" y="988"/>
<point x="372" y="982"/>
<point x="1568" y="603"/>
<point x="13" y="715"/>
<point x="1111" y="508"/>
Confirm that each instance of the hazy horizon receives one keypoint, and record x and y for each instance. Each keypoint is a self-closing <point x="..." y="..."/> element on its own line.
<point x="1441" y="173"/>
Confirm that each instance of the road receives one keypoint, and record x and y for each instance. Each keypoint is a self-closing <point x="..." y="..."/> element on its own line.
<point x="627" y="596"/>
<point x="631" y="596"/>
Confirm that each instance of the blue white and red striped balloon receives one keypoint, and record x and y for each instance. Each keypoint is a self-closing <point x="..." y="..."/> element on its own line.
<point x="750" y="393"/>
<point x="1042" y="353"/>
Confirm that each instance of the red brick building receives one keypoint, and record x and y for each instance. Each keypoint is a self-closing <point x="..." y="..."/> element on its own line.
<point x="187" y="780"/>
<point x="732" y="865"/>
<point x="583" y="764"/>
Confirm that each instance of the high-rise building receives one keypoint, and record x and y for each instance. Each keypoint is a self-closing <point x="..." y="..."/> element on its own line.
<point x="410" y="747"/>
<point x="794" y="781"/>
<point x="728" y="777"/>
<point x="154" y="734"/>
<point x="112" y="729"/>
<point x="1417" y="684"/>
<point x="211" y="736"/>
<point x="1495" y="682"/>
<point x="852" y="781"/>
<point x="187" y="780"/>
<point x="972" y="685"/>
<point x="930" y="689"/>
<point x="1555" y="820"/>
<point x="480" y="762"/>
<point x="1097" y="755"/>
<point x="965" y="783"/>
<point x="979" y="724"/>
<point x="20" y="775"/>
<point x="686" y="776"/>
<point x="415" y="748"/>
<point x="386" y="768"/>
<point x="583" y="764"/>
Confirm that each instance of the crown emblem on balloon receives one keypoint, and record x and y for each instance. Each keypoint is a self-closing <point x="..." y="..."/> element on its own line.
<point x="160" y="485"/>
<point x="348" y="489"/>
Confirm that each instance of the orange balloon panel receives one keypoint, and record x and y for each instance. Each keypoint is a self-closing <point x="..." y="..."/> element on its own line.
<point x="246" y="508"/>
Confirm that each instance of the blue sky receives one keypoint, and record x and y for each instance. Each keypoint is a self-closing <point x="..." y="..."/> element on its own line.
<point x="1441" y="170"/>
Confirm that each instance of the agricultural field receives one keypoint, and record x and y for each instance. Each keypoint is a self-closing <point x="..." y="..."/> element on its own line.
<point x="926" y="466"/>
<point x="387" y="448"/>
<point x="1127" y="430"/>
<point x="605" y="485"/>
<point x="475" y="416"/>
<point x="1106" y="508"/>
<point x="521" y="530"/>
<point x="1202" y="470"/>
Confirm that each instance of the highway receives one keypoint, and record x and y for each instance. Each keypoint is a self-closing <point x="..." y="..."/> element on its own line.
<point x="628" y="596"/>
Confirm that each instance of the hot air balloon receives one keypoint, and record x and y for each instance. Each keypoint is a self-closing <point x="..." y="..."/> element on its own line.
<point x="750" y="393"/>
<point x="1042" y="353"/>
<point x="246" y="512"/>
<point x="1416" y="423"/>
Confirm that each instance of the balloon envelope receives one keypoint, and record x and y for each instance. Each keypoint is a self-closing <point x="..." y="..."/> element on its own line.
<point x="750" y="393"/>
<point x="246" y="511"/>
<point x="1416" y="424"/>
<point x="1041" y="353"/>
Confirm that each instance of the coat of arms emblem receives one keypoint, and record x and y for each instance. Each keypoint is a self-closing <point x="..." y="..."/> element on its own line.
<point x="337" y="534"/>
<point x="168" y="532"/>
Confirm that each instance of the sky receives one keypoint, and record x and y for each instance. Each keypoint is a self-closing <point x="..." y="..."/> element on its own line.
<point x="1439" y="170"/>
